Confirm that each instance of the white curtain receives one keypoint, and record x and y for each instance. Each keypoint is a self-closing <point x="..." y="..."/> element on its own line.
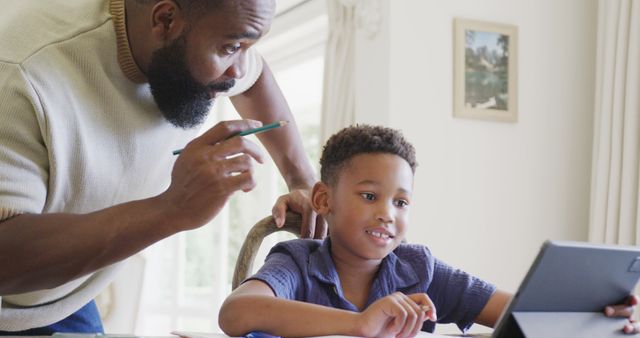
<point x="338" y="101"/>
<point x="615" y="175"/>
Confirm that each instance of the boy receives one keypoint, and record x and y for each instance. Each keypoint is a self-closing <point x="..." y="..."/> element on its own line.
<point x="361" y="281"/>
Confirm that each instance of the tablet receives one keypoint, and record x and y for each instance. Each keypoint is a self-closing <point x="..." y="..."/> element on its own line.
<point x="573" y="277"/>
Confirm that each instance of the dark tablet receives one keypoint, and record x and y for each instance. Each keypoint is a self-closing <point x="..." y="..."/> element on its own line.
<point x="573" y="277"/>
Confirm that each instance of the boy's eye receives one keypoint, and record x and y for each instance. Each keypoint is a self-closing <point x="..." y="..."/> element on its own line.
<point x="401" y="203"/>
<point x="368" y="196"/>
<point x="231" y="49"/>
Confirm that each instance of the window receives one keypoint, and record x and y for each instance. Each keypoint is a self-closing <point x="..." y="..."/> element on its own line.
<point x="189" y="275"/>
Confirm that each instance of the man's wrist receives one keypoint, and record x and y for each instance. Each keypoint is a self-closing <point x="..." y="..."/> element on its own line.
<point x="302" y="184"/>
<point x="170" y="219"/>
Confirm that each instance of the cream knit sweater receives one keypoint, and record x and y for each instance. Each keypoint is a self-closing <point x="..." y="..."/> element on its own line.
<point x="79" y="130"/>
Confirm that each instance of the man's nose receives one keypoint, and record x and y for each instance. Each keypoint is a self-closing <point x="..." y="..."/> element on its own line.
<point x="237" y="68"/>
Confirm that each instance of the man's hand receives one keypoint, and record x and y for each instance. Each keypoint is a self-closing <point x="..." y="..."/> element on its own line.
<point x="397" y="315"/>
<point x="210" y="169"/>
<point x="313" y="225"/>
<point x="625" y="310"/>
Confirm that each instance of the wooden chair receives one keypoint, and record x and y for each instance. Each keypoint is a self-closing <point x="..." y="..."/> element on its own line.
<point x="251" y="244"/>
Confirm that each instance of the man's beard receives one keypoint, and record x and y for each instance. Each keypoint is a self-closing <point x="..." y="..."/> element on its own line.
<point x="182" y="100"/>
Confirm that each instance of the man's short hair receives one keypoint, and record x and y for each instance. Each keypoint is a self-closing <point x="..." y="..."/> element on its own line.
<point x="193" y="8"/>
<point x="362" y="139"/>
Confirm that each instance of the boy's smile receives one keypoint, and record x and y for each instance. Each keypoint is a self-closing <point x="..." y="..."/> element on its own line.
<point x="368" y="206"/>
<point x="380" y="234"/>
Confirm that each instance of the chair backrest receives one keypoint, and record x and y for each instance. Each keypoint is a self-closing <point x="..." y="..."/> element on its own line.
<point x="249" y="250"/>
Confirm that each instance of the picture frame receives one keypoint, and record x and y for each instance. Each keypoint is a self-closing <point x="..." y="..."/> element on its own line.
<point x="485" y="70"/>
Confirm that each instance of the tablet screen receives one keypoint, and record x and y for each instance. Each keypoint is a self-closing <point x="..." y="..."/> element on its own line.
<point x="573" y="277"/>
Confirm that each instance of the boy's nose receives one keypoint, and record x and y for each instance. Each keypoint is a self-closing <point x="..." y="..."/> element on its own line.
<point x="384" y="214"/>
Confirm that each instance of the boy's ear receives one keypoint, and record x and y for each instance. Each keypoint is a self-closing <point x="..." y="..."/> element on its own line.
<point x="320" y="198"/>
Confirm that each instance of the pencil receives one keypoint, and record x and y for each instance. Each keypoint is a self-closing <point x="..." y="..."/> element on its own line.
<point x="250" y="132"/>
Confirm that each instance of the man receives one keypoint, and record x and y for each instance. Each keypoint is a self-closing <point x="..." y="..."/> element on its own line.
<point x="95" y="94"/>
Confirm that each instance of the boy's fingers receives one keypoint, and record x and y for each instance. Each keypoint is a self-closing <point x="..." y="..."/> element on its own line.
<point x="426" y="304"/>
<point x="414" y="317"/>
<point x="399" y="314"/>
<point x="631" y="328"/>
<point x="618" y="311"/>
<point x="400" y="317"/>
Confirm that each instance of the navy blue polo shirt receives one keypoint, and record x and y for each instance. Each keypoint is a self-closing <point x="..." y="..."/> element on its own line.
<point x="303" y="270"/>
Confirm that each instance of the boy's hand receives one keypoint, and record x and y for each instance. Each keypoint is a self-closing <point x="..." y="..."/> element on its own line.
<point x="625" y="310"/>
<point x="397" y="315"/>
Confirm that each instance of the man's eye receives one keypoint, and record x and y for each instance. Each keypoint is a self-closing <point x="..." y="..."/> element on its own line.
<point x="368" y="196"/>
<point x="231" y="49"/>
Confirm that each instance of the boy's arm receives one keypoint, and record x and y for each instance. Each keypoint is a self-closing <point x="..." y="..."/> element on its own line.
<point x="254" y="307"/>
<point x="491" y="312"/>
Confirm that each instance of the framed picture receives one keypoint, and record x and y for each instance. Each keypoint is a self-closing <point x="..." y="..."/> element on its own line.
<point x="485" y="70"/>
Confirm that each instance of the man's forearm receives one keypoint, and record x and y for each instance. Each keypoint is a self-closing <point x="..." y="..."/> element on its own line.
<point x="265" y="102"/>
<point x="246" y="313"/>
<point x="41" y="251"/>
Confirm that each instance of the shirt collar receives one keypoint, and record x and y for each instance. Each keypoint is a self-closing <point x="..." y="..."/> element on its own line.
<point x="397" y="273"/>
<point x="393" y="273"/>
<point x="321" y="264"/>
<point x="125" y="58"/>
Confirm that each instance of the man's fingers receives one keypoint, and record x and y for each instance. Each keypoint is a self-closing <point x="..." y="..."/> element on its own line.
<point x="279" y="211"/>
<point x="235" y="146"/>
<point x="244" y="181"/>
<point x="224" y="130"/>
<point x="308" y="224"/>
<point x="321" y="227"/>
<point x="236" y="165"/>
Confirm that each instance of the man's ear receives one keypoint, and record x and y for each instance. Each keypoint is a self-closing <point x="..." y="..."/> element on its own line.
<point x="168" y="21"/>
<point x="320" y="198"/>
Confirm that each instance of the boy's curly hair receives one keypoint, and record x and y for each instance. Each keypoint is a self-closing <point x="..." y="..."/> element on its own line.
<point x="362" y="139"/>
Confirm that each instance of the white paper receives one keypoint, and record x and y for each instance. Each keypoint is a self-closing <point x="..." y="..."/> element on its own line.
<point x="221" y="335"/>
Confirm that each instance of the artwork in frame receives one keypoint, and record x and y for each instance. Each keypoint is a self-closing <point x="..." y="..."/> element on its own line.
<point x="485" y="70"/>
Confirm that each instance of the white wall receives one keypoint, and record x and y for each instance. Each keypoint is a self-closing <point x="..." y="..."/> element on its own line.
<point x="487" y="194"/>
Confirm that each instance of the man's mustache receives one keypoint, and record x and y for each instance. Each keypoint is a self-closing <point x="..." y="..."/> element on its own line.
<point x="221" y="86"/>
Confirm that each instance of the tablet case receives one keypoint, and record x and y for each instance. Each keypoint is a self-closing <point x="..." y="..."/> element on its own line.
<point x="566" y="290"/>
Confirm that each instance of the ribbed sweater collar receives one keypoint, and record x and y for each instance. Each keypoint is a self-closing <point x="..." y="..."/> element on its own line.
<point x="125" y="57"/>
